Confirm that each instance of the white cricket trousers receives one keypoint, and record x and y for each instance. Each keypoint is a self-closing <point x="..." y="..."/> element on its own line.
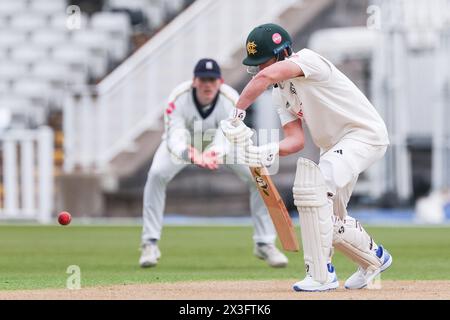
<point x="341" y="166"/>
<point x="164" y="169"/>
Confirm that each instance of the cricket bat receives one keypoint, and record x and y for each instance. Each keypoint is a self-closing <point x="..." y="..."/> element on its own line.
<point x="277" y="210"/>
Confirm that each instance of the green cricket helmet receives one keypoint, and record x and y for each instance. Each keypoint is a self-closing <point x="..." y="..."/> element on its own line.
<point x="265" y="42"/>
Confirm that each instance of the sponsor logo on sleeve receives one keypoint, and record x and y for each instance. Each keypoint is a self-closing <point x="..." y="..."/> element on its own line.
<point x="170" y="108"/>
<point x="292" y="88"/>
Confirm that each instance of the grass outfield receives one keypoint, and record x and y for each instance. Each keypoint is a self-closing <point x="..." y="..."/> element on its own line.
<point x="34" y="257"/>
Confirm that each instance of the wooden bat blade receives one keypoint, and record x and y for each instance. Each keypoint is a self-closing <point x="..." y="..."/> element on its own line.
<point x="277" y="210"/>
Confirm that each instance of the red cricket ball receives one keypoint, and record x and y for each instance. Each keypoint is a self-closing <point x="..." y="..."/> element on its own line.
<point x="64" y="218"/>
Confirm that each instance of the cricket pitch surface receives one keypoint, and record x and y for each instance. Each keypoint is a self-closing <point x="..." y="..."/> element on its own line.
<point x="240" y="290"/>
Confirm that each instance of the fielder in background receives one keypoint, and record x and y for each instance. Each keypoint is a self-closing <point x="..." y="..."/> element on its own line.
<point x="200" y="103"/>
<point x="309" y="90"/>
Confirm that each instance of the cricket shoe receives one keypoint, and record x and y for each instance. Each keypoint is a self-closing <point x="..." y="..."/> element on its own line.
<point x="271" y="255"/>
<point x="310" y="285"/>
<point x="361" y="278"/>
<point x="150" y="255"/>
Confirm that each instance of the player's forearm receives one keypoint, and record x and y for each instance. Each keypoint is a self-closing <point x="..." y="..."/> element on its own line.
<point x="177" y="143"/>
<point x="253" y="90"/>
<point x="179" y="151"/>
<point x="219" y="144"/>
<point x="176" y="135"/>
<point x="290" y="145"/>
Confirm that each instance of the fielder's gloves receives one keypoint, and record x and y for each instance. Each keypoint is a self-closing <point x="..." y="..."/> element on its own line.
<point x="235" y="130"/>
<point x="259" y="156"/>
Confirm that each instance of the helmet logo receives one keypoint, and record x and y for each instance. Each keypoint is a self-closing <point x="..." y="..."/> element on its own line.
<point x="209" y="65"/>
<point x="276" y="38"/>
<point x="251" y="47"/>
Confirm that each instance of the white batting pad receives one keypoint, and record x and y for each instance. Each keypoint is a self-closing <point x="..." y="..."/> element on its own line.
<point x="351" y="239"/>
<point x="316" y="223"/>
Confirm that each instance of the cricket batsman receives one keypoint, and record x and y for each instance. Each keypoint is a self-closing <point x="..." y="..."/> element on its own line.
<point x="200" y="103"/>
<point x="309" y="90"/>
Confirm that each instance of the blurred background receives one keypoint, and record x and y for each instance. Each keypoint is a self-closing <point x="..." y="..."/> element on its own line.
<point x="83" y="87"/>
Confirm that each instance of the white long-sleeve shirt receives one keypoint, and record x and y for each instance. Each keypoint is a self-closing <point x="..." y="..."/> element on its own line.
<point x="329" y="103"/>
<point x="187" y="123"/>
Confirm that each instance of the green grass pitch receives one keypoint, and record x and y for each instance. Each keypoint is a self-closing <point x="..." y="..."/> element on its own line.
<point x="33" y="257"/>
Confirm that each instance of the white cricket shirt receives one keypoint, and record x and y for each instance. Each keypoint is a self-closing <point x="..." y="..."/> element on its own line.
<point x="188" y="124"/>
<point x="329" y="103"/>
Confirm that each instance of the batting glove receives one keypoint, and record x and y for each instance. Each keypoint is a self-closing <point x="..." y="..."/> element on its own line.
<point x="234" y="128"/>
<point x="259" y="156"/>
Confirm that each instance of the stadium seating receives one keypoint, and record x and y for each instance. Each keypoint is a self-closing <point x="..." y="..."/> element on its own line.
<point x="40" y="52"/>
<point x="49" y="46"/>
<point x="153" y="10"/>
<point x="11" y="71"/>
<point x="46" y="47"/>
<point x="13" y="7"/>
<point x="118" y="29"/>
<point x="96" y="44"/>
<point x="4" y="87"/>
<point x="28" y="21"/>
<point x="20" y="112"/>
<point x="10" y="38"/>
<point x="28" y="53"/>
<point x="5" y="119"/>
<point x="32" y="89"/>
<point x="47" y="7"/>
<point x="62" y="21"/>
<point x="49" y="37"/>
<point x="43" y="41"/>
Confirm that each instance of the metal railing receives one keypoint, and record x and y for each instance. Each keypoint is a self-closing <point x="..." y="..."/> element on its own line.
<point x="27" y="174"/>
<point x="101" y="122"/>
